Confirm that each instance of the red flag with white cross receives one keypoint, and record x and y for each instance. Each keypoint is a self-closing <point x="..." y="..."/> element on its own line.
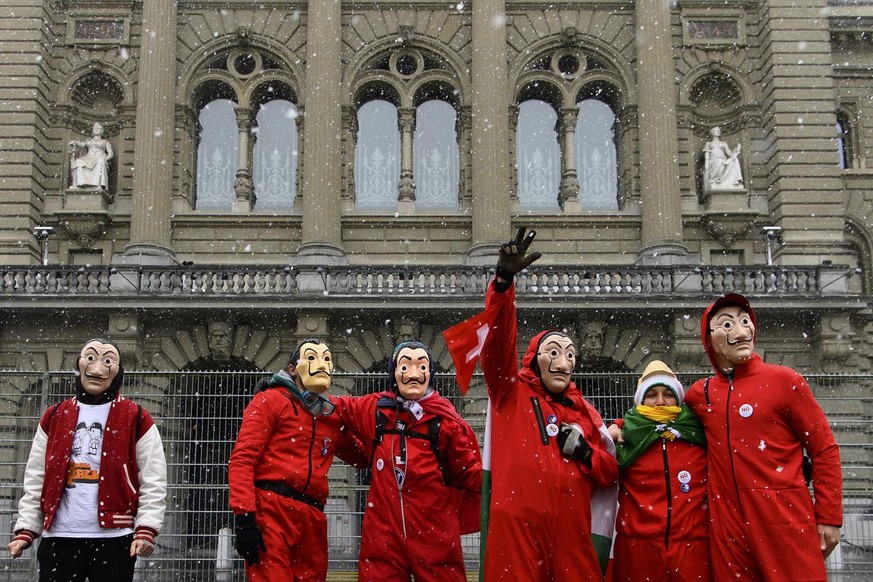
<point x="465" y="342"/>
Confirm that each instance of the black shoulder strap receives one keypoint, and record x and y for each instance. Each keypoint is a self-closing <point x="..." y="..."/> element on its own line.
<point x="433" y="435"/>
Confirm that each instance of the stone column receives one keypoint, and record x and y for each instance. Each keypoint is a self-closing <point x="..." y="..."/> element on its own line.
<point x="491" y="164"/>
<point x="322" y="214"/>
<point x="569" y="174"/>
<point x="242" y="186"/>
<point x="406" y="124"/>
<point x="463" y="129"/>
<point x="659" y="149"/>
<point x="150" y="226"/>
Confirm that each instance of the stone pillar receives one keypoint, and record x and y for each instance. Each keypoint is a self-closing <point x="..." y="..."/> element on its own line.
<point x="659" y="150"/>
<point x="803" y="184"/>
<point x="123" y="329"/>
<point x="150" y="226"/>
<point x="406" y="124"/>
<point x="242" y="186"/>
<point x="322" y="214"/>
<point x="569" y="192"/>
<point x="491" y="164"/>
<point x="463" y="129"/>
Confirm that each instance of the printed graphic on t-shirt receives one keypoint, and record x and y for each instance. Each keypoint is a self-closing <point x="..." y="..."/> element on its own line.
<point x="87" y="444"/>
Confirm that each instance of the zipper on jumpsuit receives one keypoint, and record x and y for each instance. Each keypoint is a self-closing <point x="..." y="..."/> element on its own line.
<point x="309" y="457"/>
<point x="402" y="457"/>
<point x="669" y="492"/>
<point x="541" y="422"/>
<point x="727" y="416"/>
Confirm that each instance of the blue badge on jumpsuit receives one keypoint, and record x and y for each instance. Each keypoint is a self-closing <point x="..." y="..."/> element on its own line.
<point x="325" y="444"/>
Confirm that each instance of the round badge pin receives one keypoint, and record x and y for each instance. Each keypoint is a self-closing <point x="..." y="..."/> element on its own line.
<point x="552" y="419"/>
<point x="552" y="430"/>
<point x="685" y="488"/>
<point x="380" y="464"/>
<point x="746" y="410"/>
<point x="684" y="477"/>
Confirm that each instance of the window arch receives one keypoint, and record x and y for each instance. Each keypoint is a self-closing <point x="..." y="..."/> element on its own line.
<point x="217" y="146"/>
<point x="566" y="147"/>
<point x="538" y="161"/>
<point x="246" y="141"/>
<point x="276" y="147"/>
<point x="597" y="146"/>
<point x="407" y="128"/>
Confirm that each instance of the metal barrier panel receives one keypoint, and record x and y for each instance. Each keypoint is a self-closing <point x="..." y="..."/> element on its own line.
<point x="198" y="414"/>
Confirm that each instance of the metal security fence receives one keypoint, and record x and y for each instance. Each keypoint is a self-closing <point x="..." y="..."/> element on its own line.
<point x="198" y="414"/>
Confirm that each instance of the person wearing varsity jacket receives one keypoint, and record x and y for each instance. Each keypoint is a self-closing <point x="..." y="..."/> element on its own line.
<point x="548" y="454"/>
<point x="426" y="475"/>
<point x="758" y="419"/>
<point x="95" y="484"/>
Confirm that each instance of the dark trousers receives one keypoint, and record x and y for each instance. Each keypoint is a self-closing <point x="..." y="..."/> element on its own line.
<point x="78" y="559"/>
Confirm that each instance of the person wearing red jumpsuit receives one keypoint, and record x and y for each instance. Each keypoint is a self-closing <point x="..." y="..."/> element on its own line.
<point x="547" y="455"/>
<point x="289" y="435"/>
<point x="425" y="459"/>
<point x="758" y="419"/>
<point x="662" y="528"/>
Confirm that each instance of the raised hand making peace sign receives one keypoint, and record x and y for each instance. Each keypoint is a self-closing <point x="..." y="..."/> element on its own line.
<point x="513" y="256"/>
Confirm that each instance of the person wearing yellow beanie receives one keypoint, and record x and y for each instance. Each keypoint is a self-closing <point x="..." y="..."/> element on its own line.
<point x="663" y="517"/>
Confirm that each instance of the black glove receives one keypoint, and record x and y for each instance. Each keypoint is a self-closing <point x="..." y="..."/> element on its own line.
<point x="573" y="444"/>
<point x="248" y="538"/>
<point x="512" y="256"/>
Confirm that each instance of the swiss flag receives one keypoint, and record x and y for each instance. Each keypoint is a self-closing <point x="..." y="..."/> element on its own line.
<point x="465" y="342"/>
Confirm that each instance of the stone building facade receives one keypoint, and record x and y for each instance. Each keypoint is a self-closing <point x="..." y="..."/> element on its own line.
<point x="190" y="236"/>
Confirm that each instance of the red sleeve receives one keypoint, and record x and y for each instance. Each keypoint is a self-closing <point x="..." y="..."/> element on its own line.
<point x="358" y="415"/>
<point x="604" y="467"/>
<point x="259" y="422"/>
<point x="811" y="427"/>
<point x="500" y="353"/>
<point x="463" y="459"/>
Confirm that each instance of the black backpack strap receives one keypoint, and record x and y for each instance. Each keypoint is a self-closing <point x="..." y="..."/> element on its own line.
<point x="433" y="435"/>
<point x="381" y="421"/>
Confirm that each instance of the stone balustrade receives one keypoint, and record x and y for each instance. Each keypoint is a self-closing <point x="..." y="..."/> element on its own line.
<point x="420" y="280"/>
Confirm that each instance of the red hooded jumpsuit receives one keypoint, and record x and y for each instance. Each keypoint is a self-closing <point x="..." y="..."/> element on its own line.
<point x="282" y="442"/>
<point x="763" y="522"/>
<point x="540" y="517"/>
<point x="412" y="521"/>
<point x="663" y="523"/>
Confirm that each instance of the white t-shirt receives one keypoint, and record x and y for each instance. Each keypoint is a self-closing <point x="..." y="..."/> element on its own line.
<point x="77" y="513"/>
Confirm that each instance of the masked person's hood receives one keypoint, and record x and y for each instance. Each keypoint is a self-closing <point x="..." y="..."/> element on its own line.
<point x="723" y="301"/>
<point x="114" y="387"/>
<point x="571" y="396"/>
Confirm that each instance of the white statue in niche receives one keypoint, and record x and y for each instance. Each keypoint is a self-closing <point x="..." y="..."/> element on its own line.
<point x="89" y="161"/>
<point x="721" y="168"/>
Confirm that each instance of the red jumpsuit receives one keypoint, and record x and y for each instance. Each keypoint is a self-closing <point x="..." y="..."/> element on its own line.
<point x="281" y="441"/>
<point x="763" y="519"/>
<point x="412" y="521"/>
<point x="540" y="517"/>
<point x="662" y="527"/>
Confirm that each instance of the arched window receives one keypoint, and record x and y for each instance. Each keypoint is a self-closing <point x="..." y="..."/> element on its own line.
<point x="247" y="138"/>
<point x="845" y="149"/>
<point x="538" y="161"/>
<point x="217" y="152"/>
<point x="275" y="155"/>
<point x="407" y="131"/>
<point x="596" y="159"/>
<point x="377" y="156"/>
<point x="436" y="156"/>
